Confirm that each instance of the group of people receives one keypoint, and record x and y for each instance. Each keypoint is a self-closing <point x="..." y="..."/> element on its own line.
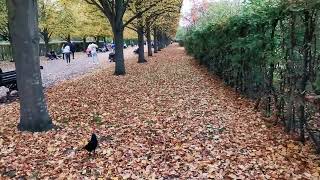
<point x="68" y="49"/>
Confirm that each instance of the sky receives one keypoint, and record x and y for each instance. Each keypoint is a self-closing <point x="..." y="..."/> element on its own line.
<point x="187" y="4"/>
<point x="186" y="8"/>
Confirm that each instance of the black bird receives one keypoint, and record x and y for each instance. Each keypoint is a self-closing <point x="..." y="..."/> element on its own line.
<point x="92" y="145"/>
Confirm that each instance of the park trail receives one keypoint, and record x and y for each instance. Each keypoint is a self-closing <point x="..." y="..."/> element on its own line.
<point x="165" y="119"/>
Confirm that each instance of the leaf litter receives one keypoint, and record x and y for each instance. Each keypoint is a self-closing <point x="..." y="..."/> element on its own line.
<point x="166" y="119"/>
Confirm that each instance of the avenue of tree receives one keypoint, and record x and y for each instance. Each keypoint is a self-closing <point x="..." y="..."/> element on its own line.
<point x="24" y="22"/>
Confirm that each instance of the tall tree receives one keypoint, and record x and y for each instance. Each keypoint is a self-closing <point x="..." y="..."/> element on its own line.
<point x="48" y="20"/>
<point x="24" y="32"/>
<point x="142" y="25"/>
<point x="89" y="22"/>
<point x="66" y="20"/>
<point x="114" y="11"/>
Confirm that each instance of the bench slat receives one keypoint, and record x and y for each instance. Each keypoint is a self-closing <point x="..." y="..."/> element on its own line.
<point x="8" y="79"/>
<point x="11" y="75"/>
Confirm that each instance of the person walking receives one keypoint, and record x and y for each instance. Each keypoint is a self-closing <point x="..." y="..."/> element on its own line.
<point x="67" y="52"/>
<point x="72" y="48"/>
<point x="62" y="48"/>
<point x="93" y="49"/>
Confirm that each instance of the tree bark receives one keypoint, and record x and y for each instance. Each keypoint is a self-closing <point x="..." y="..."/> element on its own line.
<point x="307" y="58"/>
<point x="155" y="40"/>
<point x="97" y="38"/>
<point x="46" y="39"/>
<point x="149" y="41"/>
<point x="68" y="38"/>
<point x="160" y="41"/>
<point x="23" y="22"/>
<point x="141" y="42"/>
<point x="118" y="40"/>
<point x="84" y="44"/>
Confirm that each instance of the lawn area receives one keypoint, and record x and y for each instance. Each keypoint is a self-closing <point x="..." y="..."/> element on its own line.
<point x="168" y="118"/>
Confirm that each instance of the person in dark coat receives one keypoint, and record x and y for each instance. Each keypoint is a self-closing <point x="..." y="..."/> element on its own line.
<point x="72" y="48"/>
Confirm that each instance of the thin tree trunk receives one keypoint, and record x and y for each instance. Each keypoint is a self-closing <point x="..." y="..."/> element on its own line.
<point x="291" y="80"/>
<point x="97" y="40"/>
<point x="162" y="41"/>
<point x="23" y="22"/>
<point x="159" y="38"/>
<point x="119" y="57"/>
<point x="46" y="44"/>
<point x="305" y="76"/>
<point x="46" y="40"/>
<point x="68" y="38"/>
<point x="149" y="41"/>
<point x="155" y="40"/>
<point x="84" y="44"/>
<point x="141" y="42"/>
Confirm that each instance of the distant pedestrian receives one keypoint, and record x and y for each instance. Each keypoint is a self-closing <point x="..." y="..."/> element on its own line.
<point x="72" y="48"/>
<point x="62" y="48"/>
<point x="67" y="52"/>
<point x="93" y="49"/>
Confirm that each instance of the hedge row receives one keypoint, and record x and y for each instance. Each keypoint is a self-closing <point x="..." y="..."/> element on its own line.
<point x="269" y="51"/>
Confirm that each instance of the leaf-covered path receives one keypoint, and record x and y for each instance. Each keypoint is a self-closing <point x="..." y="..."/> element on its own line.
<point x="167" y="118"/>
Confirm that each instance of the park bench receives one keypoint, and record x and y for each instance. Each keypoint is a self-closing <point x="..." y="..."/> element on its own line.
<point x="9" y="80"/>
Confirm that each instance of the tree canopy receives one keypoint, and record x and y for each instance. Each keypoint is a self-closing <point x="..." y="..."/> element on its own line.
<point x="4" y="26"/>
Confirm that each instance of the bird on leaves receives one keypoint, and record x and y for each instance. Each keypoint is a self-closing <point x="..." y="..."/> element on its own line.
<point x="92" y="144"/>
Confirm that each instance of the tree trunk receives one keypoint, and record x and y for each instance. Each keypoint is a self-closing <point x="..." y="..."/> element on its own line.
<point x="307" y="58"/>
<point x="141" y="42"/>
<point x="84" y="44"/>
<point x="149" y="41"/>
<point x="97" y="40"/>
<point x="155" y="40"/>
<point x="68" y="38"/>
<point x="46" y="40"/>
<point x="159" y="39"/>
<point x="291" y="80"/>
<point x="118" y="40"/>
<point x="46" y="45"/>
<point x="23" y="22"/>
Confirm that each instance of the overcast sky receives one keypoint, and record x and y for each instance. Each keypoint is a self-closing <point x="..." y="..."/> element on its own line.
<point x="186" y="7"/>
<point x="187" y="4"/>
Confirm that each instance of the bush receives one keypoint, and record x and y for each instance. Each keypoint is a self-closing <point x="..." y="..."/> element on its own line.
<point x="268" y="50"/>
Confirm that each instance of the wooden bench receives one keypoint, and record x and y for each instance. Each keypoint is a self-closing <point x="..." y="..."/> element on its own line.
<point x="9" y="80"/>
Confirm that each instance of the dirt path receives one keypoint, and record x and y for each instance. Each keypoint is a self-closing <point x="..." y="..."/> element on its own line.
<point x="165" y="119"/>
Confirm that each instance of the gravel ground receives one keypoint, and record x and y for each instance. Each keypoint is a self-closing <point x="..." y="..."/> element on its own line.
<point x="58" y="70"/>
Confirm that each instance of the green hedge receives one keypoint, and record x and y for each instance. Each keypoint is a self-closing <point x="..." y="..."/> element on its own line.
<point x="269" y="51"/>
